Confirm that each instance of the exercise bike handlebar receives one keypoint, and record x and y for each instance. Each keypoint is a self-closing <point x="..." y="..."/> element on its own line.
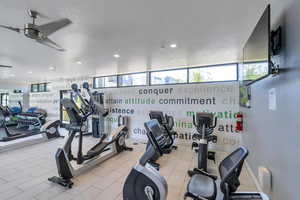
<point x="196" y="124"/>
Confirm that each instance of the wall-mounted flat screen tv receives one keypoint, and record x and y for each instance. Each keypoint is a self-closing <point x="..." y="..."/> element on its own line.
<point x="256" y="52"/>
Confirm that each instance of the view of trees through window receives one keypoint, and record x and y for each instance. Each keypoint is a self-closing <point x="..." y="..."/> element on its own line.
<point x="209" y="74"/>
<point x="133" y="79"/>
<point x="226" y="72"/>
<point x="107" y="81"/>
<point x="169" y="77"/>
<point x="253" y="71"/>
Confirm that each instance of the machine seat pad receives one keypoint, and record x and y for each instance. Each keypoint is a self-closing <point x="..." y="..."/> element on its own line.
<point x="202" y="186"/>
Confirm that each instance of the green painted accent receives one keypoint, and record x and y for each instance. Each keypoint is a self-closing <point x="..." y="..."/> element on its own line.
<point x="228" y="114"/>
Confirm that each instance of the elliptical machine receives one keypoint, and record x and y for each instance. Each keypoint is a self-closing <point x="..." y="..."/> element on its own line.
<point x="205" y="124"/>
<point x="78" y="116"/>
<point x="49" y="130"/>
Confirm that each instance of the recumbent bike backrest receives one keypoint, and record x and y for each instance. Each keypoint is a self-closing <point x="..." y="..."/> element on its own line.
<point x="155" y="134"/>
<point x="170" y="121"/>
<point x="230" y="169"/>
<point x="159" y="116"/>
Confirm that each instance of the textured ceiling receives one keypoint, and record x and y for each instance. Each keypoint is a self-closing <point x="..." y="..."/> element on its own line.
<point x="206" y="32"/>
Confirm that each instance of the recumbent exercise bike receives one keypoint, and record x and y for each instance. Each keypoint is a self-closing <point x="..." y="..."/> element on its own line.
<point x="145" y="183"/>
<point x="167" y="124"/>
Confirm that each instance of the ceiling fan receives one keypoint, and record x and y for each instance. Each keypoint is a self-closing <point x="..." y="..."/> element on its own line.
<point x="5" y="66"/>
<point x="40" y="33"/>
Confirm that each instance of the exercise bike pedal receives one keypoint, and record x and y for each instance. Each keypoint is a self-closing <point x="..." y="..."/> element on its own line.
<point x="63" y="182"/>
<point x="195" y="145"/>
<point x="155" y="165"/>
<point x="128" y="149"/>
<point x="211" y="155"/>
<point x="192" y="172"/>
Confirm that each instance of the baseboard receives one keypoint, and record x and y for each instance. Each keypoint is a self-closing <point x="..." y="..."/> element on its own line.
<point x="256" y="182"/>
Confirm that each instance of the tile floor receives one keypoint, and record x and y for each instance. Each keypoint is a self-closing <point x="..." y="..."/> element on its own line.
<point x="24" y="173"/>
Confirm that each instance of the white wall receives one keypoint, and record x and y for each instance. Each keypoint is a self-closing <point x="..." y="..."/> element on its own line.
<point x="14" y="98"/>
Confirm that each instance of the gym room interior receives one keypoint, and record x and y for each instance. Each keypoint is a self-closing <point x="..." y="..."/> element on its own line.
<point x="149" y="99"/>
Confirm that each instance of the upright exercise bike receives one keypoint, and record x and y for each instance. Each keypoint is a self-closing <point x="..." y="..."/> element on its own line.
<point x="115" y="143"/>
<point x="205" y="124"/>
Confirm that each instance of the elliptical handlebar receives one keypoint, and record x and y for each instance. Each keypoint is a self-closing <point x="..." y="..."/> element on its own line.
<point x="97" y="106"/>
<point x="89" y="109"/>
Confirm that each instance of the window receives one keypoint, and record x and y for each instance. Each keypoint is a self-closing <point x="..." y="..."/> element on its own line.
<point x="42" y="87"/>
<point x="133" y="79"/>
<point x="169" y="77"/>
<point x="106" y="81"/>
<point x="253" y="71"/>
<point x="39" y="87"/>
<point x="213" y="73"/>
<point x="4" y="97"/>
<point x="34" y="88"/>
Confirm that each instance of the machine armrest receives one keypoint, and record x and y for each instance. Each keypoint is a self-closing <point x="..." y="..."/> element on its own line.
<point x="199" y="171"/>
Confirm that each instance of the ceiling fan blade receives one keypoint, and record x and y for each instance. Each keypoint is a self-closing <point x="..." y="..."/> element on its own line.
<point x="18" y="30"/>
<point x="5" y="66"/>
<point x="35" y="14"/>
<point x="50" y="43"/>
<point x="51" y="27"/>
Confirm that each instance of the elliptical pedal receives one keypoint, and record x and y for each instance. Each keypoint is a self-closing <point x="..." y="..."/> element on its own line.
<point x="63" y="182"/>
<point x="211" y="155"/>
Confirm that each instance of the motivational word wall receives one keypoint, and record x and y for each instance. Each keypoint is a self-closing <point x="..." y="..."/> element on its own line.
<point x="180" y="101"/>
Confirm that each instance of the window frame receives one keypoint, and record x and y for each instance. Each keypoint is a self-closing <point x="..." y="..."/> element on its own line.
<point x="148" y="76"/>
<point x="165" y="70"/>
<point x="252" y="81"/>
<point x="38" y="87"/>
<point x="94" y="81"/>
<point x="217" y="65"/>
<point x="147" y="79"/>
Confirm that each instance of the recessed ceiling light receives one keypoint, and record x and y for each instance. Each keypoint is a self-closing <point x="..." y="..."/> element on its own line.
<point x="51" y="68"/>
<point x="29" y="72"/>
<point x="117" y="56"/>
<point x="173" y="45"/>
<point x="79" y="62"/>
